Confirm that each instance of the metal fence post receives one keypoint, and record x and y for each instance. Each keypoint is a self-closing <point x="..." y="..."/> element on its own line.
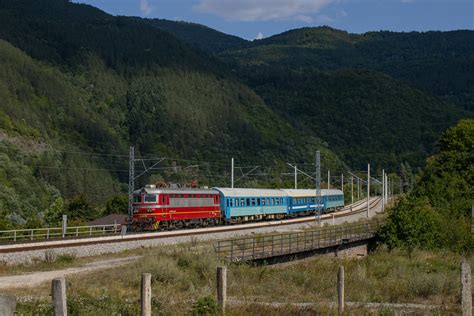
<point x="58" y="292"/>
<point x="221" y="286"/>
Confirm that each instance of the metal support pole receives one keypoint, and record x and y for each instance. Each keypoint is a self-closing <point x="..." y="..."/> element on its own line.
<point x="221" y="287"/>
<point x="146" y="294"/>
<point x="131" y="182"/>
<point x="329" y="179"/>
<point x="358" y="189"/>
<point x="232" y="174"/>
<point x="384" y="184"/>
<point x="368" y="190"/>
<point x="387" y="188"/>
<point x="58" y="293"/>
<point x="352" y="190"/>
<point x="340" y="290"/>
<point x="318" y="181"/>
<point x="64" y="226"/>
<point x="342" y="182"/>
<point x="296" y="178"/>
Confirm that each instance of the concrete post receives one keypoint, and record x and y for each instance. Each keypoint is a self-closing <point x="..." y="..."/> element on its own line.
<point x="7" y="305"/>
<point x="64" y="226"/>
<point x="146" y="294"/>
<point x="466" y="287"/>
<point x="340" y="290"/>
<point x="342" y="182"/>
<point x="58" y="293"/>
<point x="221" y="286"/>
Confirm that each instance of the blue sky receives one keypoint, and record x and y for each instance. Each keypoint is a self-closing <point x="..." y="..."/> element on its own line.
<point x="262" y="18"/>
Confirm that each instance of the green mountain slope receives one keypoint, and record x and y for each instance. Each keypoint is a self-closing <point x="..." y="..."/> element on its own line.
<point x="68" y="114"/>
<point x="440" y="63"/>
<point x="62" y="32"/>
<point x="392" y="93"/>
<point x="365" y="116"/>
<point x="198" y="35"/>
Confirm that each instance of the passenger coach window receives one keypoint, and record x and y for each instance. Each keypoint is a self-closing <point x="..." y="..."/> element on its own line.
<point x="247" y="202"/>
<point x="231" y="202"/>
<point x="150" y="198"/>
<point x="236" y="202"/>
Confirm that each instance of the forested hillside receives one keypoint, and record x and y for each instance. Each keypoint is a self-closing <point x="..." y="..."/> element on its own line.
<point x="78" y="86"/>
<point x="199" y="36"/>
<point x="441" y="63"/>
<point x="392" y="93"/>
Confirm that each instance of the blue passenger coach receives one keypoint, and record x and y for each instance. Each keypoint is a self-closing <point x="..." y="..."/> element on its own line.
<point x="245" y="204"/>
<point x="304" y="200"/>
<point x="332" y="199"/>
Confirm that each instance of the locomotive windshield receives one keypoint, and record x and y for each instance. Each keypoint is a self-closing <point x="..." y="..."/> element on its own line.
<point x="137" y="199"/>
<point x="150" y="198"/>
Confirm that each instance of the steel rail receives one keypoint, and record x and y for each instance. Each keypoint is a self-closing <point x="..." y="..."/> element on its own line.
<point x="74" y="242"/>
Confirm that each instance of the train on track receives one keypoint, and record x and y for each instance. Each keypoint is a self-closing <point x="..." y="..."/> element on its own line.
<point x="167" y="208"/>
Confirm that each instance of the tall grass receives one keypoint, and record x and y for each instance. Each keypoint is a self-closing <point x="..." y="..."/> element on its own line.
<point x="184" y="279"/>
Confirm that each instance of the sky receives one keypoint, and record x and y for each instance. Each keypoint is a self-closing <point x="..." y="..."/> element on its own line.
<point x="252" y="19"/>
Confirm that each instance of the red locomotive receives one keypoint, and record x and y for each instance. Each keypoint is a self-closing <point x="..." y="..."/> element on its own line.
<point x="166" y="208"/>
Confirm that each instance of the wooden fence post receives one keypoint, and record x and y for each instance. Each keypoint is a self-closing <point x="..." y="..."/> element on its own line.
<point x="340" y="290"/>
<point x="146" y="294"/>
<point x="58" y="293"/>
<point x="7" y="305"/>
<point x="221" y="286"/>
<point x="466" y="287"/>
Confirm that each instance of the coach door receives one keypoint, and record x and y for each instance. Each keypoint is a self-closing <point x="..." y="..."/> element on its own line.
<point x="165" y="201"/>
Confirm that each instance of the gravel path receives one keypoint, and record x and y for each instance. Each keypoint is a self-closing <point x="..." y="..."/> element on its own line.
<point x="35" y="278"/>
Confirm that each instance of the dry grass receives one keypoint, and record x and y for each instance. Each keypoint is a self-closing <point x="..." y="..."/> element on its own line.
<point x="183" y="274"/>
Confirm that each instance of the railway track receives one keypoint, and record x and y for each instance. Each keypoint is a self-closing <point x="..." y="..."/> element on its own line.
<point x="350" y="210"/>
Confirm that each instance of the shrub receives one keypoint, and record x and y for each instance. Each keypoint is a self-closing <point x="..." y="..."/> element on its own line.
<point x="205" y="306"/>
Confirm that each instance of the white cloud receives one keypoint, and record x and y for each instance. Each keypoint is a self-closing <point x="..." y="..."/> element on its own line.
<point x="263" y="10"/>
<point x="259" y="36"/>
<point x="145" y="7"/>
